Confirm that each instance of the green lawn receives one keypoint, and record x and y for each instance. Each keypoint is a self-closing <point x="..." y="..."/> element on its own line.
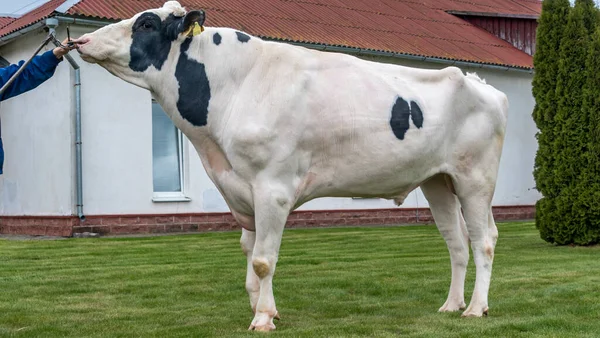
<point x="384" y="281"/>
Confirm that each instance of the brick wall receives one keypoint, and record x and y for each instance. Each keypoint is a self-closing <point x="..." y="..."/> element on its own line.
<point x="38" y="226"/>
<point x="148" y="224"/>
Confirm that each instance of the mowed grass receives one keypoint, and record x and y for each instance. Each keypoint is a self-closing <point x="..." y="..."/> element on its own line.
<point x="375" y="282"/>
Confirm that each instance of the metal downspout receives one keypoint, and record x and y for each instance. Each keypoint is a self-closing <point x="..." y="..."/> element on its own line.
<point x="78" y="158"/>
<point x="52" y="23"/>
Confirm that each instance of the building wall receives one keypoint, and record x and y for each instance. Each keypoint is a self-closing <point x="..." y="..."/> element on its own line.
<point x="117" y="150"/>
<point x="38" y="140"/>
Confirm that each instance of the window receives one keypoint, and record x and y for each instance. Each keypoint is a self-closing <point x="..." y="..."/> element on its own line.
<point x="167" y="158"/>
<point x="4" y="62"/>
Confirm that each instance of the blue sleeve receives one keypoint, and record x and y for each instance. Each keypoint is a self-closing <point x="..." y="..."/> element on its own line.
<point x="40" y="69"/>
<point x="1" y="156"/>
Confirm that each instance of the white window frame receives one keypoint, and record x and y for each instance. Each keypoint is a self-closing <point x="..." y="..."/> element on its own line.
<point x="175" y="196"/>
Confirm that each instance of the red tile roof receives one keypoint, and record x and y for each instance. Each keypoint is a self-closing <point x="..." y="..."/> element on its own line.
<point x="412" y="27"/>
<point x="5" y="20"/>
<point x="31" y="17"/>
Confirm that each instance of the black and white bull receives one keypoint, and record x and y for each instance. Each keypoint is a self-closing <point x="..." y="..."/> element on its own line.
<point x="278" y="125"/>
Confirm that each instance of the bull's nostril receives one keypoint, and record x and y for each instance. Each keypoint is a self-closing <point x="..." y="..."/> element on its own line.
<point x="81" y="41"/>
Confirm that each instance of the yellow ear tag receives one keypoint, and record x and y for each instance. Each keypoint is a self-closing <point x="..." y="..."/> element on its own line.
<point x="194" y="30"/>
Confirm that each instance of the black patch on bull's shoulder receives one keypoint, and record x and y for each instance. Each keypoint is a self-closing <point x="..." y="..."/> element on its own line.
<point x="400" y="114"/>
<point x="242" y="37"/>
<point x="416" y="114"/>
<point x="194" y="88"/>
<point x="151" y="40"/>
<point x="217" y="39"/>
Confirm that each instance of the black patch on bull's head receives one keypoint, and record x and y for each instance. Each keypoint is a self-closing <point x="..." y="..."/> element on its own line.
<point x="152" y="42"/>
<point x="400" y="114"/>
<point x="242" y="37"/>
<point x="152" y="38"/>
<point x="194" y="88"/>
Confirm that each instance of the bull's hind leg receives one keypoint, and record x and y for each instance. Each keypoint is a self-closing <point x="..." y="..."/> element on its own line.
<point x="476" y="198"/>
<point x="448" y="219"/>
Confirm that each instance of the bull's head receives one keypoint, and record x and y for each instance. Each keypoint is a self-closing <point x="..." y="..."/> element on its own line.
<point x="131" y="48"/>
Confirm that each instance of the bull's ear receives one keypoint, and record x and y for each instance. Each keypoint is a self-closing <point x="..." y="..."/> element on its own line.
<point x="193" y="21"/>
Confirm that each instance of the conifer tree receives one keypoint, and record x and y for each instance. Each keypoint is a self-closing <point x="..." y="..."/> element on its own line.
<point x="565" y="214"/>
<point x="588" y="201"/>
<point x="550" y="29"/>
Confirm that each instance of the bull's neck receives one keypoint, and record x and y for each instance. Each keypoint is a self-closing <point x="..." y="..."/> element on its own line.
<point x="228" y="56"/>
<point x="209" y="70"/>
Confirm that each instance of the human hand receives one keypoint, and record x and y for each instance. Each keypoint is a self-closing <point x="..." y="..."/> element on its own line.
<point x="61" y="51"/>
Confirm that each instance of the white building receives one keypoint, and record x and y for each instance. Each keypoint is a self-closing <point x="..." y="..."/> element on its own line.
<point x="139" y="174"/>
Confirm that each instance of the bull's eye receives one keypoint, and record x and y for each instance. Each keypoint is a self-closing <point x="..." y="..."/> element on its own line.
<point x="147" y="25"/>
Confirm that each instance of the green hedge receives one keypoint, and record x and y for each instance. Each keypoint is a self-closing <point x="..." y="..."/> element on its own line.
<point x="566" y="88"/>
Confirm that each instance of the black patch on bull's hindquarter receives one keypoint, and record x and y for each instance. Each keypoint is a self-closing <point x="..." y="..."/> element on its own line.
<point x="217" y="39"/>
<point x="151" y="40"/>
<point x="416" y="114"/>
<point x="400" y="114"/>
<point x="194" y="88"/>
<point x="242" y="37"/>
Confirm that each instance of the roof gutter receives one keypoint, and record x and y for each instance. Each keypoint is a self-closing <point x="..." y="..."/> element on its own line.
<point x="63" y="19"/>
<point x="84" y="22"/>
<point x="359" y="52"/>
<point x="348" y="50"/>
<point x="7" y="38"/>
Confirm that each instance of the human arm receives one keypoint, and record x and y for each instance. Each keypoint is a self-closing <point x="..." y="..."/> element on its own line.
<point x="40" y="69"/>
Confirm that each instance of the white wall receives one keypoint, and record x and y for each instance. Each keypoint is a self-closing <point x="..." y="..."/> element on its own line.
<point x="117" y="149"/>
<point x="37" y="135"/>
<point x="516" y="185"/>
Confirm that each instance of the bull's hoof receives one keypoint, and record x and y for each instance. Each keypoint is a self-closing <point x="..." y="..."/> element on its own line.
<point x="263" y="328"/>
<point x="263" y="322"/>
<point x="452" y="306"/>
<point x="471" y="312"/>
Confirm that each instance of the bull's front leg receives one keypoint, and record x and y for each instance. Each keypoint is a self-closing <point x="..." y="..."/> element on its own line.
<point x="272" y="207"/>
<point x="252" y="282"/>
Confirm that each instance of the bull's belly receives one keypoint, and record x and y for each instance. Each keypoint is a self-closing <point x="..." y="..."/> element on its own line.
<point x="392" y="182"/>
<point x="341" y="167"/>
